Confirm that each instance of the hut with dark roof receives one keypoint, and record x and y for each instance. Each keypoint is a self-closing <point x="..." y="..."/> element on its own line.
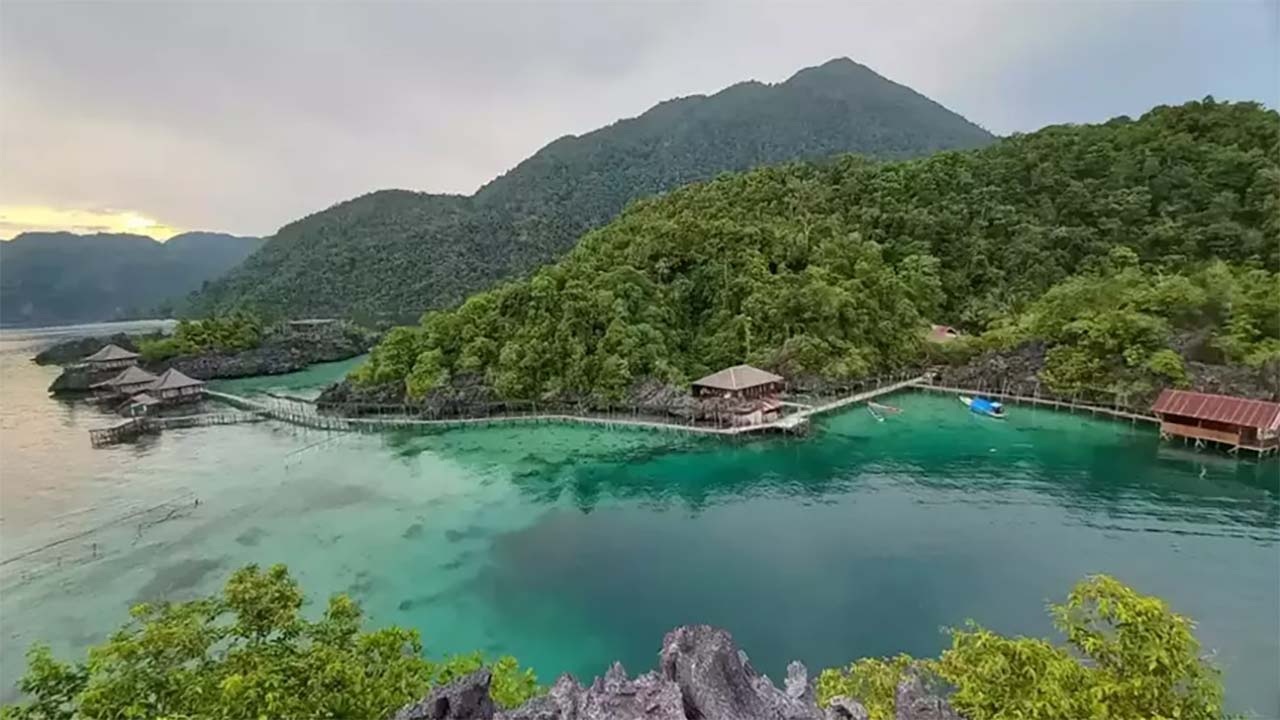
<point x="173" y="386"/>
<point x="742" y="394"/>
<point x="132" y="379"/>
<point x="1234" y="422"/>
<point x="110" y="357"/>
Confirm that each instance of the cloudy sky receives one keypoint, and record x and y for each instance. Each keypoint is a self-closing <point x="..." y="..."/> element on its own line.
<point x="242" y="116"/>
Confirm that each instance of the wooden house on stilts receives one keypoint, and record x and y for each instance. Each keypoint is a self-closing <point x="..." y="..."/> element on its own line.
<point x="1233" y="422"/>
<point x="749" y="395"/>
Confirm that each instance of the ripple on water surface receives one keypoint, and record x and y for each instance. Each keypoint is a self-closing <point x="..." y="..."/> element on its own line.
<point x="571" y="547"/>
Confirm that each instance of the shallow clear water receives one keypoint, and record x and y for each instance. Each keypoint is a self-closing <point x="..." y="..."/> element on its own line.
<point x="570" y="547"/>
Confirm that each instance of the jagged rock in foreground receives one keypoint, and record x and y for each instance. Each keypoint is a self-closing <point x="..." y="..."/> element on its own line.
<point x="466" y="698"/>
<point x="701" y="675"/>
<point x="912" y="702"/>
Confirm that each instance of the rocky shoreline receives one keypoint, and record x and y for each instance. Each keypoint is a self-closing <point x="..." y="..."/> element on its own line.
<point x="701" y="675"/>
<point x="469" y="396"/>
<point x="69" y="351"/>
<point x="284" y="349"/>
<point x="1019" y="369"/>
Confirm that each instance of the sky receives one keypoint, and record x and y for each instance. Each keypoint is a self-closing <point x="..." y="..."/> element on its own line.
<point x="157" y="117"/>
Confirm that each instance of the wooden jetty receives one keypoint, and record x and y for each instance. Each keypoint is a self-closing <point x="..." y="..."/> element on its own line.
<point x="134" y="428"/>
<point x="122" y="432"/>
<point x="305" y="415"/>
<point x="205" y="419"/>
<point x="1049" y="402"/>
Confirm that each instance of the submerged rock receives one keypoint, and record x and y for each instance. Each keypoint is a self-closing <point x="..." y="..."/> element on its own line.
<point x="701" y="675"/>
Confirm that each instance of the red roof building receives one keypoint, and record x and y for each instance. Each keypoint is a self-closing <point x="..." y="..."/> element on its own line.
<point x="1232" y="421"/>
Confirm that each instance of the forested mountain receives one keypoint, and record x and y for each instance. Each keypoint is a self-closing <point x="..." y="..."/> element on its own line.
<point x="394" y="253"/>
<point x="1144" y="229"/>
<point x="60" y="278"/>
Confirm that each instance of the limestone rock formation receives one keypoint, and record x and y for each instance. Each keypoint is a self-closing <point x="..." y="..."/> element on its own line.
<point x="912" y="702"/>
<point x="701" y="675"/>
<point x="466" y="698"/>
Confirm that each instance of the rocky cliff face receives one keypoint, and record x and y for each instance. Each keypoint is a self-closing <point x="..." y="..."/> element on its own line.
<point x="701" y="675"/>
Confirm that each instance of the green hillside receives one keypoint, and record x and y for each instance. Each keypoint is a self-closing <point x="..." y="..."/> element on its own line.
<point x="59" y="278"/>
<point x="835" y="269"/>
<point x="392" y="254"/>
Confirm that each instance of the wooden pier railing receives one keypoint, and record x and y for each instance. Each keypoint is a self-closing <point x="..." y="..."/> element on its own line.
<point x="1049" y="401"/>
<point x="401" y="416"/>
<point x="390" y="417"/>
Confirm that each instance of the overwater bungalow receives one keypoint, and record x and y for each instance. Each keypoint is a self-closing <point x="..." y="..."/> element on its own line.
<point x="749" y="394"/>
<point x="140" y="404"/>
<point x="132" y="379"/>
<point x="1234" y="422"/>
<point x="174" y="387"/>
<point x="111" y="357"/>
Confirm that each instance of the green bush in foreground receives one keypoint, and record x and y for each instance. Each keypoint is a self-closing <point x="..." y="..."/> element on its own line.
<point x="1129" y="658"/>
<point x="247" y="653"/>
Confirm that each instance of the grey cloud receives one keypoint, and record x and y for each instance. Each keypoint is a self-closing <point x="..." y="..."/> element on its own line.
<point x="241" y="117"/>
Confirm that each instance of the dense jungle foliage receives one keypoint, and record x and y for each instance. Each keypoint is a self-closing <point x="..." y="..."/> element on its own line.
<point x="392" y="254"/>
<point x="1124" y="329"/>
<point x="232" y="333"/>
<point x="837" y="269"/>
<point x="249" y="653"/>
<point x="1128" y="657"/>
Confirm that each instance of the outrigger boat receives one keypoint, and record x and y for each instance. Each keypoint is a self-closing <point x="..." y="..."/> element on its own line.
<point x="983" y="406"/>
<point x="885" y="409"/>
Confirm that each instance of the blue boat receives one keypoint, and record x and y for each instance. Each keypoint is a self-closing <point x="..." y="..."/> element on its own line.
<point x="983" y="406"/>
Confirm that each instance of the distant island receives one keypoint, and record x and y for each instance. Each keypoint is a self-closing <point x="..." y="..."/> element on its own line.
<point x="61" y="278"/>
<point x="233" y="346"/>
<point x="391" y="254"/>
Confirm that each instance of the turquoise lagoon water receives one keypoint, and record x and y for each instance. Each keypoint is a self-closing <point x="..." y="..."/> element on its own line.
<point x="571" y="547"/>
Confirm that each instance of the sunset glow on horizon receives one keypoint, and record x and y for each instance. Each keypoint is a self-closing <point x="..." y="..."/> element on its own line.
<point x="33" y="218"/>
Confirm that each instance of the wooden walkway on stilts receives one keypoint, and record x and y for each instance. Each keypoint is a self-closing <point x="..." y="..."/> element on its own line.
<point x="305" y="415"/>
<point x="1057" y="404"/>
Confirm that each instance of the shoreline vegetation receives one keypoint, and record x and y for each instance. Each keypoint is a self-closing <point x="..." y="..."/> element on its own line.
<point x="1099" y="262"/>
<point x="231" y="346"/>
<point x="249" y="652"/>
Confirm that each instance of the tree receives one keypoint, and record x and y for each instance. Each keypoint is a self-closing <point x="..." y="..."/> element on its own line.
<point x="248" y="653"/>
<point x="1128" y="657"/>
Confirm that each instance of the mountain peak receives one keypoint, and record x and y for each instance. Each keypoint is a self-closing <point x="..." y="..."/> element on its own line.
<point x="419" y="252"/>
<point x="835" y="69"/>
